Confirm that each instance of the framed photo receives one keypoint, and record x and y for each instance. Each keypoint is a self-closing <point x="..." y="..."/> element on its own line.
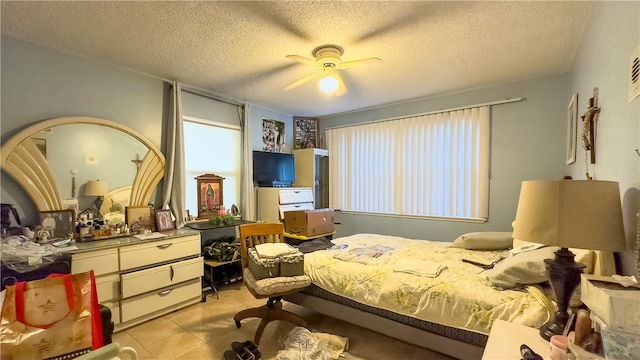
<point x="60" y="223"/>
<point x="273" y="135"/>
<point x="209" y="195"/>
<point x="572" y="128"/>
<point x="164" y="221"/>
<point x="139" y="217"/>
<point x="306" y="132"/>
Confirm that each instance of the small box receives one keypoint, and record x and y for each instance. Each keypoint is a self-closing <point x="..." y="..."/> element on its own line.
<point x="617" y="306"/>
<point x="309" y="222"/>
<point x="617" y="345"/>
<point x="292" y="265"/>
<point x="263" y="268"/>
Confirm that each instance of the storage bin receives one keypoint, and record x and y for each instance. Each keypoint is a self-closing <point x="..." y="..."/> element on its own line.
<point x="292" y="265"/>
<point x="617" y="344"/>
<point x="262" y="268"/>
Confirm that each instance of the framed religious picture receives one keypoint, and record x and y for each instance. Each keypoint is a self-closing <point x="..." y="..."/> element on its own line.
<point x="164" y="221"/>
<point x="139" y="218"/>
<point x="209" y="195"/>
<point x="59" y="223"/>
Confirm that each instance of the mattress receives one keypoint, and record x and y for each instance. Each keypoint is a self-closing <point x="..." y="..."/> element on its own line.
<point x="373" y="270"/>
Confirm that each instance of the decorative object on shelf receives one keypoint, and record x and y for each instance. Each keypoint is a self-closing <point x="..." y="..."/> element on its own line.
<point x="164" y="220"/>
<point x="218" y="220"/>
<point x="572" y="125"/>
<point x="305" y="132"/>
<point x="139" y="218"/>
<point x="589" y="122"/>
<point x="209" y="195"/>
<point x="272" y="135"/>
<point x="98" y="189"/>
<point x="234" y="210"/>
<point x="60" y="223"/>
<point x="584" y="214"/>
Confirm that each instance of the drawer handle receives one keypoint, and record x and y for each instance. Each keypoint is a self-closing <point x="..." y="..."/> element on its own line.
<point x="164" y="246"/>
<point x="165" y="293"/>
<point x="172" y="272"/>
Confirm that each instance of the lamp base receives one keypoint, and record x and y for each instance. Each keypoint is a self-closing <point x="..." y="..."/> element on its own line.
<point x="564" y="276"/>
<point x="98" y="203"/>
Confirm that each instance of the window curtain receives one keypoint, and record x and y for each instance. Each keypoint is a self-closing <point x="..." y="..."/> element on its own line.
<point x="434" y="165"/>
<point x="248" y="192"/>
<point x="174" y="173"/>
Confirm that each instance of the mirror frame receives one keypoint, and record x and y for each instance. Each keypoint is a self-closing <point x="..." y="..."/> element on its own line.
<point x="23" y="161"/>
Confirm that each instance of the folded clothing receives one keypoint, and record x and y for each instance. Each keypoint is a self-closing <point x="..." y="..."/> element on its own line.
<point x="419" y="267"/>
<point x="272" y="250"/>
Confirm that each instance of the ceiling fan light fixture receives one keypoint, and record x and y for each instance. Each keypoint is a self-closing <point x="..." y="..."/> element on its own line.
<point x="328" y="84"/>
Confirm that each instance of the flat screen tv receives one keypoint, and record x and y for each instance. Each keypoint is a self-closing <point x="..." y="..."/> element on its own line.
<point x="273" y="169"/>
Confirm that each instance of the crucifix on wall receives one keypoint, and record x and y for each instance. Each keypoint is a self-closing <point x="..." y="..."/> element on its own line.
<point x="137" y="161"/>
<point x="589" y="121"/>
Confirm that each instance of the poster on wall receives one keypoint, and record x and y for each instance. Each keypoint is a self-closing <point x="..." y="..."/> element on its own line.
<point x="272" y="135"/>
<point x="305" y="133"/>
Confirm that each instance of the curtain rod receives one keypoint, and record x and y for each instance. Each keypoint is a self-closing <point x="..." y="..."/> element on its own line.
<point x="497" y="102"/>
<point x="211" y="96"/>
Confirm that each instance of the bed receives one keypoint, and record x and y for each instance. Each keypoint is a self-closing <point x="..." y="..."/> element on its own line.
<point x="423" y="293"/>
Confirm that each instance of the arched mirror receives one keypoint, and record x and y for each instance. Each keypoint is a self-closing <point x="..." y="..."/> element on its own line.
<point x="54" y="159"/>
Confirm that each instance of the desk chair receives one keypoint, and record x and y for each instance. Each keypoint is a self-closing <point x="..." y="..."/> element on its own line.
<point x="272" y="288"/>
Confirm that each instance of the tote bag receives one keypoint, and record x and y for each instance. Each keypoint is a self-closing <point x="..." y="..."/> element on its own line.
<point x="53" y="318"/>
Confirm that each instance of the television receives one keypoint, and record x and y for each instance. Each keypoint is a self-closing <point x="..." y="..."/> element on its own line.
<point x="271" y="169"/>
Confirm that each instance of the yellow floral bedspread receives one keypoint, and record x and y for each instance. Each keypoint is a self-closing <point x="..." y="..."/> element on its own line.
<point x="458" y="297"/>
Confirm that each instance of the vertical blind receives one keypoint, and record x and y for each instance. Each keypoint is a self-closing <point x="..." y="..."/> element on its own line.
<point x="434" y="165"/>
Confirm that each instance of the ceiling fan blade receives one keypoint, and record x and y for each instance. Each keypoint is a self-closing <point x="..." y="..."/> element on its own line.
<point x="350" y="64"/>
<point x="342" y="88"/>
<point x="302" y="59"/>
<point x="302" y="81"/>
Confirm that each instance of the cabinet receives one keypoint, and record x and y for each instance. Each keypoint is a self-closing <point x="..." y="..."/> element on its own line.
<point x="273" y="202"/>
<point x="140" y="280"/>
<point x="312" y="170"/>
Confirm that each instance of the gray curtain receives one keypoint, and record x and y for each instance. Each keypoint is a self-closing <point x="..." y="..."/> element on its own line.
<point x="174" y="173"/>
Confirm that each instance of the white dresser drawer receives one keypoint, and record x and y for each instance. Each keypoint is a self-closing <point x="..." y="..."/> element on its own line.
<point x="147" y="303"/>
<point x="291" y="207"/>
<point x="158" y="251"/>
<point x="108" y="287"/>
<point x="100" y="261"/>
<point x="114" y="306"/>
<point x="294" y="195"/>
<point x="143" y="281"/>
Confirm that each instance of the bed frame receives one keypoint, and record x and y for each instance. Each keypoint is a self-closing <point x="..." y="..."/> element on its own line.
<point x="604" y="264"/>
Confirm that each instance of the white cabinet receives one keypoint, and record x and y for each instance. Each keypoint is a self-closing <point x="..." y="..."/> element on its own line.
<point x="312" y="170"/>
<point x="273" y="202"/>
<point x="138" y="280"/>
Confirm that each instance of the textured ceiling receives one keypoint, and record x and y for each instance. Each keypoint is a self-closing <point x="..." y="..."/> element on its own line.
<point x="238" y="49"/>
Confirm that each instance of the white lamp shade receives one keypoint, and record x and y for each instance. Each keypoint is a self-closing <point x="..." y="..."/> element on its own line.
<point x="96" y="188"/>
<point x="328" y="84"/>
<point x="585" y="214"/>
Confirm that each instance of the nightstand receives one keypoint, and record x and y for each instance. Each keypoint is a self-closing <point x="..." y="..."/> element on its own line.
<point x="505" y="340"/>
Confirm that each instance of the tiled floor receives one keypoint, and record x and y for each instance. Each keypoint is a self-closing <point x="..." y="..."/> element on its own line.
<point x="205" y="330"/>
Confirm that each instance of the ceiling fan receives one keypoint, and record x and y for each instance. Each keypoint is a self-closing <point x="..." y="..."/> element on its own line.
<point x="327" y="58"/>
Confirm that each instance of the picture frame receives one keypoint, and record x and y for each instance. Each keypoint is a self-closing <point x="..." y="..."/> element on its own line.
<point x="164" y="220"/>
<point x="60" y="222"/>
<point x="306" y="132"/>
<point x="210" y="195"/>
<point x="139" y="217"/>
<point x="572" y="129"/>
<point x="273" y="135"/>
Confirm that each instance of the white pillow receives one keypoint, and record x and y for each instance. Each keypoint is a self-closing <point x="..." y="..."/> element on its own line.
<point x="486" y="240"/>
<point x="527" y="267"/>
<point x="586" y="257"/>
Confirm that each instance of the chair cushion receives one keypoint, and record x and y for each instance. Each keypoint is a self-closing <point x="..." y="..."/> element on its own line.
<point x="275" y="285"/>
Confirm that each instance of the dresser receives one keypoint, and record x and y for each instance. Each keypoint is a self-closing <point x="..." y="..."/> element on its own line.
<point x="274" y="201"/>
<point x="142" y="279"/>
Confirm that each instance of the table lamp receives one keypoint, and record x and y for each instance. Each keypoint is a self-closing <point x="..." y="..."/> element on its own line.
<point x="98" y="189"/>
<point x="585" y="214"/>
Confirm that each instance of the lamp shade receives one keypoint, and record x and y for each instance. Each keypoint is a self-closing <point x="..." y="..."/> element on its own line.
<point x="96" y="188"/>
<point x="585" y="214"/>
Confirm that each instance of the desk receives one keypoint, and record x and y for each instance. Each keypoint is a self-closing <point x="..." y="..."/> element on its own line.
<point x="505" y="340"/>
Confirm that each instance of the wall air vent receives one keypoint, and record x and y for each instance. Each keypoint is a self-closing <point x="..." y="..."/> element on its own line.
<point x="634" y="74"/>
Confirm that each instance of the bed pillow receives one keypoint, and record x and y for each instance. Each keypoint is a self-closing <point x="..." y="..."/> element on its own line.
<point x="486" y="240"/>
<point x="586" y="257"/>
<point x="524" y="268"/>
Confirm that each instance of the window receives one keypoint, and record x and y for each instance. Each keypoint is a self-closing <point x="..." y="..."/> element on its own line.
<point x="434" y="165"/>
<point x="212" y="148"/>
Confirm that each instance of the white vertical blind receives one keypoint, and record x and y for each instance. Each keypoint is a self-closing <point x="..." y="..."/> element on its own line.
<point x="425" y="165"/>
